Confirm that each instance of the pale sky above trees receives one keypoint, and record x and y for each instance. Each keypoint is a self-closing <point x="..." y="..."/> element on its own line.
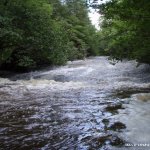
<point x="95" y="16"/>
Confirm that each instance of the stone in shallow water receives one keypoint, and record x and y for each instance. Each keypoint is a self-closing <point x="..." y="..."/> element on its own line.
<point x="113" y="108"/>
<point x="105" y="121"/>
<point x="116" y="141"/>
<point x="117" y="126"/>
<point x="113" y="140"/>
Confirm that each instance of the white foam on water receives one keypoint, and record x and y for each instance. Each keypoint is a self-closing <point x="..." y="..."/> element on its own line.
<point x="51" y="84"/>
<point x="33" y="84"/>
<point x="136" y="116"/>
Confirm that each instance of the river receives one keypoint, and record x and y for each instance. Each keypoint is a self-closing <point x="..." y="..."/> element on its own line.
<point x="88" y="104"/>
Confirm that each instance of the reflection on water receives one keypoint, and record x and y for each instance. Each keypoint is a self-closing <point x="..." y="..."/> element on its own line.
<point x="88" y="104"/>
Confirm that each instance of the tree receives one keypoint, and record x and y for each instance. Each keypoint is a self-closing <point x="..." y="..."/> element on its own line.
<point x="125" y="29"/>
<point x="37" y="32"/>
<point x="29" y="34"/>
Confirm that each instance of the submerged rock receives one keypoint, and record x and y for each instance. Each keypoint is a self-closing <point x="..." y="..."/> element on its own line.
<point x="113" y="108"/>
<point x="117" y="126"/>
<point x="113" y="140"/>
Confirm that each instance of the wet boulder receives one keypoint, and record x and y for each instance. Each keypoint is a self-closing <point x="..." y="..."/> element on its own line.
<point x="113" y="108"/>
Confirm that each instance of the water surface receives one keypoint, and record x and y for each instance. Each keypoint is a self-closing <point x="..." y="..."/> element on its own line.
<point x="86" y="105"/>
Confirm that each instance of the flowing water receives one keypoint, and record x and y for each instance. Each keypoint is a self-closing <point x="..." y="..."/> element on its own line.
<point x="86" y="105"/>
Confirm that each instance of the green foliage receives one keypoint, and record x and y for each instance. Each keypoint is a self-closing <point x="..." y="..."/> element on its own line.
<point x="37" y="32"/>
<point x="125" y="29"/>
